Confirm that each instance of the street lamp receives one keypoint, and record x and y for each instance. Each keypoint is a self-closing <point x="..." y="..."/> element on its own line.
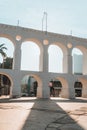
<point x="44" y="16"/>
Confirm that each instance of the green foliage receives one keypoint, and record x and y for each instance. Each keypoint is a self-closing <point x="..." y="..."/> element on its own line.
<point x="2" y="48"/>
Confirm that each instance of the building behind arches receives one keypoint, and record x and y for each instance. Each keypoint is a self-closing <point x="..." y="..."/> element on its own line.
<point x="18" y="35"/>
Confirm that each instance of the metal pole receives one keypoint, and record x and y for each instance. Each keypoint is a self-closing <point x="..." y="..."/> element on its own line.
<point x="46" y="21"/>
<point x="18" y="23"/>
<point x="44" y="16"/>
<point x="42" y="24"/>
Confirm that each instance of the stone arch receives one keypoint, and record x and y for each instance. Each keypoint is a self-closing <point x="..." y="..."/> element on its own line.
<point x="83" y="49"/>
<point x="10" y="78"/>
<point x="34" y="40"/>
<point x="38" y="79"/>
<point x="65" y="53"/>
<point x="78" y="89"/>
<point x="8" y="37"/>
<point x="83" y="80"/>
<point x="38" y="43"/>
<point x="62" y="46"/>
<point x="65" y="89"/>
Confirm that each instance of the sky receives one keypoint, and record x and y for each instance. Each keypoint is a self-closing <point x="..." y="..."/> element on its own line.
<point x="63" y="16"/>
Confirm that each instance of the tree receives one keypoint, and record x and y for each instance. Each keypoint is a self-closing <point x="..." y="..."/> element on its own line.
<point x="2" y="48"/>
<point x="8" y="63"/>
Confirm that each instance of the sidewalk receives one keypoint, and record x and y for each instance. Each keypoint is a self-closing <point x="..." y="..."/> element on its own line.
<point x="43" y="114"/>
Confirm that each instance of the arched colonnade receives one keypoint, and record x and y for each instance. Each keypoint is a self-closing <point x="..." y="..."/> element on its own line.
<point x="18" y="35"/>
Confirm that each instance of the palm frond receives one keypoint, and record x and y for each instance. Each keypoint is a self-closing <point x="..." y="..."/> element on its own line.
<point x="3" y="53"/>
<point x="2" y="48"/>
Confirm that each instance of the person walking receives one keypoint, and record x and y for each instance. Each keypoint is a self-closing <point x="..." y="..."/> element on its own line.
<point x="52" y="93"/>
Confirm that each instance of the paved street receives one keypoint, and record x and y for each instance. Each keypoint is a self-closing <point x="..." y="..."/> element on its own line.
<point x="43" y="114"/>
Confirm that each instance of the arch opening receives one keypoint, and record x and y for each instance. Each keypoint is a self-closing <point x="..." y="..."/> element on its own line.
<point x="60" y="87"/>
<point x="7" y="62"/>
<point x="5" y="85"/>
<point x="31" y="86"/>
<point x="55" y="59"/>
<point x="77" y="61"/>
<point x="30" y="56"/>
<point x="55" y="88"/>
<point x="78" y="89"/>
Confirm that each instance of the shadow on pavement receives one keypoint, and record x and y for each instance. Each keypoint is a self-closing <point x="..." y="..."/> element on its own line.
<point x="78" y="100"/>
<point x="30" y="99"/>
<point x="47" y="115"/>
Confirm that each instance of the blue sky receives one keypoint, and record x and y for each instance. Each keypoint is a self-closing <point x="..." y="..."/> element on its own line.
<point x="63" y="15"/>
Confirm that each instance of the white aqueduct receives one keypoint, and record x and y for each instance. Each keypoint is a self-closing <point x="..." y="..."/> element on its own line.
<point x="17" y="35"/>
